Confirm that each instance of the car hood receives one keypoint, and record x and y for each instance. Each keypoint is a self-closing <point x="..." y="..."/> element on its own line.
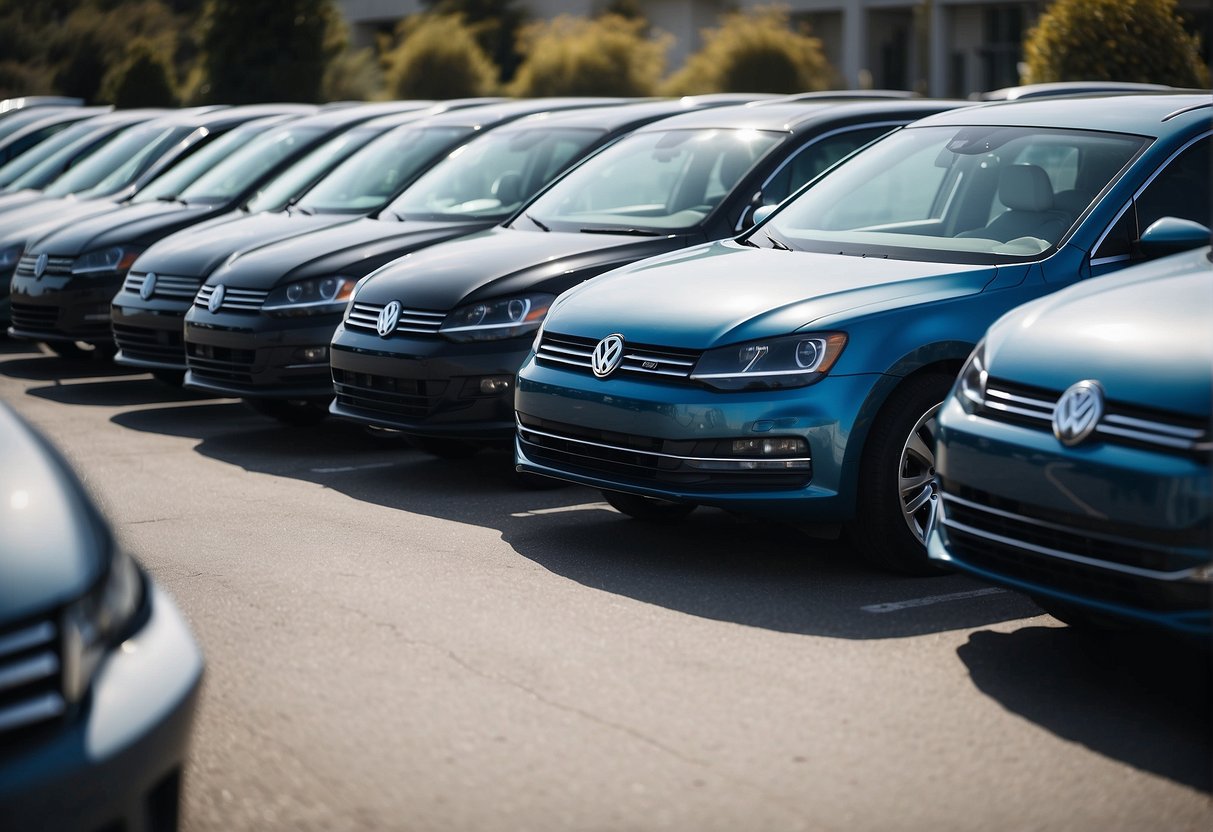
<point x="722" y="293"/>
<point x="1143" y="334"/>
<point x="138" y="224"/>
<point x="200" y="249"/>
<point x="53" y="544"/>
<point x="18" y="198"/>
<point x="505" y="261"/>
<point x="351" y="249"/>
<point x="44" y="216"/>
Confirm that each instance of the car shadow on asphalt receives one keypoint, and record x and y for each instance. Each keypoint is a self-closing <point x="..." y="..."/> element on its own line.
<point x="31" y="364"/>
<point x="1135" y="697"/>
<point x="711" y="564"/>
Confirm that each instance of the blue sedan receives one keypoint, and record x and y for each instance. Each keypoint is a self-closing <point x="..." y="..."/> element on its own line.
<point x="796" y="372"/>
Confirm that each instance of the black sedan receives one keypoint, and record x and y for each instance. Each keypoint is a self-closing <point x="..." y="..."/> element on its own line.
<point x="430" y="344"/>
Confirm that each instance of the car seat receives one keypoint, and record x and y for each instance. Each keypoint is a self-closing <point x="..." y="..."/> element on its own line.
<point x="1031" y="210"/>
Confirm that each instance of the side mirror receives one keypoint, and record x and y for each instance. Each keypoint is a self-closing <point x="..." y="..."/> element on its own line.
<point x="762" y="212"/>
<point x="1171" y="235"/>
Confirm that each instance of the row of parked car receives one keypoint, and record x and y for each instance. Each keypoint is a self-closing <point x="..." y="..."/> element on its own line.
<point x="835" y="310"/>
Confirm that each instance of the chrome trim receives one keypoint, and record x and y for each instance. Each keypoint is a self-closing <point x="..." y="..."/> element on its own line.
<point x="47" y="706"/>
<point x="365" y="316"/>
<point x="243" y="300"/>
<point x="167" y="285"/>
<point x="41" y="666"/>
<point x="1182" y="575"/>
<point x="41" y="633"/>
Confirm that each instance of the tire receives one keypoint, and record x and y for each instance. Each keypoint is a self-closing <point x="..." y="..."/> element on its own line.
<point x="647" y="508"/>
<point x="296" y="412"/>
<point x="173" y="378"/>
<point x="443" y="448"/>
<point x="897" y="490"/>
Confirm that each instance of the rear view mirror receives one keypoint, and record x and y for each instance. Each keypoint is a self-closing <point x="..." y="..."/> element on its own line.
<point x="1171" y="235"/>
<point x="762" y="212"/>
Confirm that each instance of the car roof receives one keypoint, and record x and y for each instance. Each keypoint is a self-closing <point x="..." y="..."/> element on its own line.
<point x="797" y="116"/>
<point x="1066" y="88"/>
<point x="222" y="118"/>
<point x="622" y="115"/>
<point x="1145" y="114"/>
<point x="477" y="117"/>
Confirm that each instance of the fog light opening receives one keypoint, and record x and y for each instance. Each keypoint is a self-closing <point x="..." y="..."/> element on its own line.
<point x="313" y="355"/>
<point x="492" y="385"/>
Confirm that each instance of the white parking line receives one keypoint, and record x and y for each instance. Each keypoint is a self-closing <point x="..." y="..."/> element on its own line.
<point x="561" y="509"/>
<point x="345" y="468"/>
<point x="894" y="606"/>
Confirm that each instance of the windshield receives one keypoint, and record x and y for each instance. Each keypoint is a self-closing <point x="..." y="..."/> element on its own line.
<point x="138" y="162"/>
<point x="301" y="175"/>
<point x="234" y="174"/>
<point x="46" y="156"/>
<point x="139" y="145"/>
<point x="490" y="177"/>
<point x="976" y="195"/>
<point x="176" y="179"/>
<point x="653" y="181"/>
<point x="376" y="173"/>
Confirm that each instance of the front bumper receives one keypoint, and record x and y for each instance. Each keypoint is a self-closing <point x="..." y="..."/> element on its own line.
<point x="118" y="763"/>
<point x="1117" y="530"/>
<point x="427" y="386"/>
<point x="258" y="356"/>
<point x="148" y="333"/>
<point x="63" y="308"/>
<point x="634" y="436"/>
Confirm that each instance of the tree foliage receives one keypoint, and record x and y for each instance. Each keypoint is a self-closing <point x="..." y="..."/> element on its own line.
<point x="1113" y="40"/>
<point x="438" y="57"/>
<point x="265" y="50"/>
<point x="494" y="24"/>
<point x="144" y="78"/>
<point x="609" y="55"/>
<point x="754" y="51"/>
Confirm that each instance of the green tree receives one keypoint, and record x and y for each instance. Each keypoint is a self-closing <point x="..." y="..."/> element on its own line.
<point x="609" y="55"/>
<point x="494" y="24"/>
<point x="755" y="51"/>
<point x="438" y="57"/>
<point x="1113" y="40"/>
<point x="265" y="50"/>
<point x="144" y="78"/>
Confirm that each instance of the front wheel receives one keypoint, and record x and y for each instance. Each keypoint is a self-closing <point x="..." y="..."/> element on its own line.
<point x="297" y="412"/>
<point x="647" y="508"/>
<point x="897" y="488"/>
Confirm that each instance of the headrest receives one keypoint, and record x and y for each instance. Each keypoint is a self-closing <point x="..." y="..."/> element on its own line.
<point x="733" y="165"/>
<point x="1025" y="188"/>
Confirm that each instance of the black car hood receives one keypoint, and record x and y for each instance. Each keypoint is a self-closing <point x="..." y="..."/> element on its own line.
<point x="351" y="249"/>
<point x="53" y="544"/>
<point x="506" y="261"/>
<point x="200" y="249"/>
<point x="37" y="219"/>
<point x="137" y="224"/>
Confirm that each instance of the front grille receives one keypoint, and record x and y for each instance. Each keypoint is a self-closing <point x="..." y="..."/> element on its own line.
<point x="55" y="266"/>
<point x="1141" y="569"/>
<point x="399" y="397"/>
<point x="31" y="688"/>
<point x="654" y="461"/>
<point x="234" y="299"/>
<point x="1006" y="401"/>
<point x="573" y="352"/>
<point x="220" y="363"/>
<point x="365" y="317"/>
<point x="150" y="344"/>
<point x="165" y="286"/>
<point x="34" y="318"/>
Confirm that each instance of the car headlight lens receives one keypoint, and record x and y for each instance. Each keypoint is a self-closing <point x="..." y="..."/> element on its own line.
<point x="970" y="389"/>
<point x="116" y="259"/>
<point x="775" y="364"/>
<point x="494" y="320"/>
<point x="317" y="296"/>
<point x="98" y="622"/>
<point x="9" y="256"/>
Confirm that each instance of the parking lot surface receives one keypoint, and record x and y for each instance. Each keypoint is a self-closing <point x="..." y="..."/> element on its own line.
<point x="400" y="642"/>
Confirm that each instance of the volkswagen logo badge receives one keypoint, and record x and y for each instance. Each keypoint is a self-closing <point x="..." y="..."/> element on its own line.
<point x="607" y="355"/>
<point x="40" y="265"/>
<point x="1078" y="412"/>
<point x="216" y="302"/>
<point x="149" y="286"/>
<point x="389" y="317"/>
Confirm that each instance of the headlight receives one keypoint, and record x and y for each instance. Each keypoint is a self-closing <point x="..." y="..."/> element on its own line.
<point x="318" y="296"/>
<point x="98" y="622"/>
<point x="494" y="320"/>
<point x="113" y="259"/>
<point x="791" y="361"/>
<point x="9" y="256"/>
<point x="970" y="388"/>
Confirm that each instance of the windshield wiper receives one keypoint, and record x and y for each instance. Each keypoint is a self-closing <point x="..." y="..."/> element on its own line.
<point x="746" y="241"/>
<point x="537" y="222"/>
<point x="634" y="232"/>
<point x="307" y="212"/>
<point x="779" y="244"/>
<point x="173" y="199"/>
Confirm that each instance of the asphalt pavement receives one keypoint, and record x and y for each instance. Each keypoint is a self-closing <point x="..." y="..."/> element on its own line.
<point x="399" y="642"/>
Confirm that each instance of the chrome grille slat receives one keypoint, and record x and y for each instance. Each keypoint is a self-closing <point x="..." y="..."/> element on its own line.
<point x="234" y="299"/>
<point x="41" y="633"/>
<point x="30" y="676"/>
<point x="15" y="674"/>
<point x="55" y="266"/>
<point x="167" y="285"/>
<point x="570" y="351"/>
<point x="365" y="316"/>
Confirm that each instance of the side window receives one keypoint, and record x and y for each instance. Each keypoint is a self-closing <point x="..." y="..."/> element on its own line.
<point x="1181" y="189"/>
<point x="814" y="158"/>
